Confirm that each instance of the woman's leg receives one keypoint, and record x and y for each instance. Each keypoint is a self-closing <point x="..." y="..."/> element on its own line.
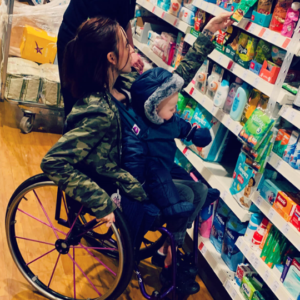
<point x="200" y="194"/>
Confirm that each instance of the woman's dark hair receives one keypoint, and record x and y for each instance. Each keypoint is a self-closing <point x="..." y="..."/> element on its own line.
<point x="85" y="65"/>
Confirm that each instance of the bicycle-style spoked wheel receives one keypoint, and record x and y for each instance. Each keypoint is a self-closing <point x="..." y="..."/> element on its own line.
<point x="58" y="262"/>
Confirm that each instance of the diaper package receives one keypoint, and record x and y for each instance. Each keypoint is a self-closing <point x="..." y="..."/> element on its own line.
<point x="218" y="227"/>
<point x="189" y="110"/>
<point x="219" y="133"/>
<point x="175" y="7"/>
<point x="292" y="279"/>
<point x="245" y="181"/>
<point x="231" y="254"/>
<point x="187" y="16"/>
<point x="182" y="161"/>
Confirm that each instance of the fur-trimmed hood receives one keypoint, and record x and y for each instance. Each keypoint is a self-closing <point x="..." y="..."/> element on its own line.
<point x="150" y="89"/>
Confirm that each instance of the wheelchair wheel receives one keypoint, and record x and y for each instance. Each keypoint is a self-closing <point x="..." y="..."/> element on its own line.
<point x="56" y="267"/>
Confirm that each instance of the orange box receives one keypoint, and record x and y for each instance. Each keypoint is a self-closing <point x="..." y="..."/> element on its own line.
<point x="285" y="204"/>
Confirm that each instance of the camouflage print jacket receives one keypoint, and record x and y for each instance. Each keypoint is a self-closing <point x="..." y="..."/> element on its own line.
<point x="86" y="159"/>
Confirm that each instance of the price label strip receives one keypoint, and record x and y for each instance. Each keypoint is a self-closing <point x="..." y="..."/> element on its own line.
<point x="255" y="82"/>
<point x="202" y="248"/>
<point x="285" y="228"/>
<point x="266" y="275"/>
<point x="228" y="286"/>
<point x="239" y="243"/>
<point x="228" y="122"/>
<point x="275" y="286"/>
<point x="252" y="258"/>
<point x="258" y="201"/>
<point x="256" y="263"/>
<point x="271" y="214"/>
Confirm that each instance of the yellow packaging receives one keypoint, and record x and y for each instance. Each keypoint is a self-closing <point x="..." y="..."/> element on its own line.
<point x="38" y="46"/>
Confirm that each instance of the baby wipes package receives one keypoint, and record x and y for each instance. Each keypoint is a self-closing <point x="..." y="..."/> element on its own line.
<point x="256" y="129"/>
<point x="218" y="227"/>
<point x="292" y="279"/>
<point x="231" y="254"/>
<point x="189" y="110"/>
<point x="187" y="16"/>
<point x="245" y="181"/>
<point x="219" y="133"/>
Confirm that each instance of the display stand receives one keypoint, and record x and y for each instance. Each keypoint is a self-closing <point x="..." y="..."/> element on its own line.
<point x="41" y="105"/>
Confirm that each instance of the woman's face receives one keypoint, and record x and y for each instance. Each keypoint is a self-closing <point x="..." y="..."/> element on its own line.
<point x="125" y="51"/>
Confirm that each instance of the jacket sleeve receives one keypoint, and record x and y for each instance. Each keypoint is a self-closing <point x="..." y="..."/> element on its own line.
<point x="60" y="164"/>
<point x="200" y="137"/>
<point x="194" y="58"/>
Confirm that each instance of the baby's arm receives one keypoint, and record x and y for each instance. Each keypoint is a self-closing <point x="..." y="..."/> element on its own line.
<point x="200" y="137"/>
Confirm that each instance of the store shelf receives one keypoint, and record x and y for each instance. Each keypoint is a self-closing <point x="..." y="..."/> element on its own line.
<point x="290" y="114"/>
<point x="190" y="39"/>
<point x="266" y="34"/>
<point x="251" y="78"/>
<point x="151" y="55"/>
<point x="218" y="266"/>
<point x="217" y="177"/>
<point x="263" y="270"/>
<point x="288" y="230"/>
<point x="207" y="103"/>
<point x="291" y="174"/>
<point x="182" y="26"/>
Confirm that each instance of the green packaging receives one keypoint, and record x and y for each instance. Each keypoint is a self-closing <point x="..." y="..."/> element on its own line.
<point x="182" y="102"/>
<point x="268" y="243"/>
<point x="250" y="284"/>
<point x="246" y="50"/>
<point x="256" y="128"/>
<point x="263" y="295"/>
<point x="242" y="9"/>
<point x="263" y="51"/>
<point x="189" y="110"/>
<point x="290" y="88"/>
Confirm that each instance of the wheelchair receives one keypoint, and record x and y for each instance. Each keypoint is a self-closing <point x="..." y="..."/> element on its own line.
<point x="65" y="254"/>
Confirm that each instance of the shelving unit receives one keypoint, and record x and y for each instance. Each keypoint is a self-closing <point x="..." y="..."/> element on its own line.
<point x="180" y="25"/>
<point x="286" y="228"/>
<point x="290" y="114"/>
<point x="266" y="34"/>
<point x="217" y="177"/>
<point x="152" y="56"/>
<point x="218" y="265"/>
<point x="263" y="270"/>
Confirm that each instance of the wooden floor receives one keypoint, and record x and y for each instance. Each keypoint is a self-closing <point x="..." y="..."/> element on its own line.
<point x="20" y="157"/>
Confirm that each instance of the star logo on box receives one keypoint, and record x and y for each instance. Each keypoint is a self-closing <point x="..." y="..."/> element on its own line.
<point x="38" y="49"/>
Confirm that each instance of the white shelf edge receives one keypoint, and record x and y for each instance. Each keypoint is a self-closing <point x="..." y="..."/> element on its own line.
<point x="264" y="33"/>
<point x="174" y="21"/>
<point x="287" y="229"/>
<point x="290" y="114"/>
<point x="190" y="39"/>
<point x="151" y="55"/>
<point x="218" y="266"/>
<point x="291" y="174"/>
<point x="234" y="126"/>
<point x="215" y="175"/>
<point x="263" y="270"/>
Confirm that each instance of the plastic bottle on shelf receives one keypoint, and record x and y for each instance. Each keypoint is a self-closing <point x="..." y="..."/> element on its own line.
<point x="221" y="94"/>
<point x="252" y="226"/>
<point x="240" y="100"/>
<point x="230" y="97"/>
<point x="259" y="234"/>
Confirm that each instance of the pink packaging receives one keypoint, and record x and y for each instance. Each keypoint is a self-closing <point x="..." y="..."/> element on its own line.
<point x="158" y="52"/>
<point x="171" y="52"/>
<point x="161" y="44"/>
<point x="206" y="220"/>
<point x="168" y="37"/>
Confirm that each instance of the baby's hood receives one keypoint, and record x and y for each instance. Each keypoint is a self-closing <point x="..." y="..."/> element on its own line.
<point x="150" y="89"/>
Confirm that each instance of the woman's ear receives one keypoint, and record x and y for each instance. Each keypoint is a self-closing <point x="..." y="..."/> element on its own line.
<point x="111" y="57"/>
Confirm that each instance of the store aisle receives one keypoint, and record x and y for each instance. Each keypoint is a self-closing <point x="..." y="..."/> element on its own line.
<point x="20" y="157"/>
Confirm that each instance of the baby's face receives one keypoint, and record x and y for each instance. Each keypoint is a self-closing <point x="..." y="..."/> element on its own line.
<point x="167" y="108"/>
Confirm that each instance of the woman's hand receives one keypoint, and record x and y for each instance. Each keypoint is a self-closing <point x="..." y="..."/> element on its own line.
<point x="109" y="219"/>
<point x="137" y="62"/>
<point x="219" y="22"/>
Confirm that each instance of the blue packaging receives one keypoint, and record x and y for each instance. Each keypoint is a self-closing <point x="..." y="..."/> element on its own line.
<point x="291" y="147"/>
<point x="188" y="4"/>
<point x="231" y="254"/>
<point x="218" y="227"/>
<point x="292" y="279"/>
<point x="164" y="4"/>
<point x="244" y="183"/>
<point x="295" y="156"/>
<point x="187" y="16"/>
<point x="219" y="133"/>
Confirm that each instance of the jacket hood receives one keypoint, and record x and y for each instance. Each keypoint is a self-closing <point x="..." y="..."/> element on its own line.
<point x="150" y="89"/>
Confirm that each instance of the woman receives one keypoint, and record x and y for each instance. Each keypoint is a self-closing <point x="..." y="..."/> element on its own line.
<point x="85" y="162"/>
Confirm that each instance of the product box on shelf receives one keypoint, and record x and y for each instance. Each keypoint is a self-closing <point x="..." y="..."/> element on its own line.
<point x="248" y="14"/>
<point x="241" y="271"/>
<point x="269" y="72"/>
<point x="295" y="219"/>
<point x="285" y="204"/>
<point x="291" y="282"/>
<point x="219" y="133"/>
<point x="261" y="19"/>
<point x="255" y="67"/>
